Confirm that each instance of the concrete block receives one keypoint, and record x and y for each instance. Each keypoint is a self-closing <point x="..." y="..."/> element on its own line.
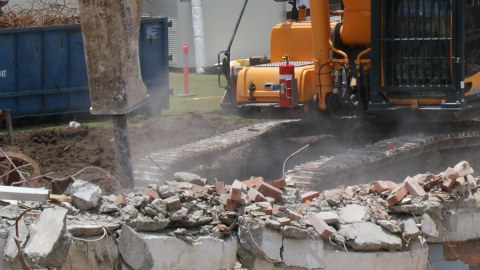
<point x="256" y="196"/>
<point x="304" y="253"/>
<point x="236" y="191"/>
<point x="414" y="188"/>
<point x="368" y="236"/>
<point x="85" y="195"/>
<point x="352" y="213"/>
<point x="397" y="194"/>
<point x="280" y="183"/>
<point x="48" y="245"/>
<point x="270" y="191"/>
<point x="220" y="188"/>
<point x="253" y="182"/>
<point x="309" y="196"/>
<point x="10" y="211"/>
<point x="319" y="224"/>
<point x="135" y="250"/>
<point x="6" y="265"/>
<point x="173" y="203"/>
<point x="205" y="253"/>
<point x="428" y="226"/>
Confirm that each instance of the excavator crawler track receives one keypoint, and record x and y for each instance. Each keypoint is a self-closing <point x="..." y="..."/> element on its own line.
<point x="324" y="173"/>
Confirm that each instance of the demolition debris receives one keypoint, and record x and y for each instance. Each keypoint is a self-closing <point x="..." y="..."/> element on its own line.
<point x="271" y="221"/>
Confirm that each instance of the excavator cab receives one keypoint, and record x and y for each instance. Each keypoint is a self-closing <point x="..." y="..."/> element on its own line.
<point x="391" y="60"/>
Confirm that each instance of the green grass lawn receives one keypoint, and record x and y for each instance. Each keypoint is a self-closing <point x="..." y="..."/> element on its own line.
<point x="204" y="86"/>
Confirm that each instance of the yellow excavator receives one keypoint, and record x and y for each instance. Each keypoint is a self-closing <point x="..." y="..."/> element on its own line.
<point x="392" y="60"/>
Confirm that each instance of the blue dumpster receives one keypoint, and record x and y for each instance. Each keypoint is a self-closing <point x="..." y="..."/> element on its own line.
<point x="43" y="72"/>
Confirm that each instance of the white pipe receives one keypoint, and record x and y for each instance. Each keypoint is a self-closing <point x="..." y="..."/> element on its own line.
<point x="198" y="36"/>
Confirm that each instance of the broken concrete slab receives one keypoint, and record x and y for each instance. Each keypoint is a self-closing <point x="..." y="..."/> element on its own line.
<point x="48" y="244"/>
<point x="428" y="226"/>
<point x="352" y="213"/>
<point x="10" y="211"/>
<point x="99" y="255"/>
<point x="172" y="253"/>
<point x="11" y="251"/>
<point x="390" y="226"/>
<point x="85" y="195"/>
<point x="83" y="229"/>
<point x="368" y="236"/>
<point x="271" y="244"/>
<point x="134" y="249"/>
<point x="304" y="253"/>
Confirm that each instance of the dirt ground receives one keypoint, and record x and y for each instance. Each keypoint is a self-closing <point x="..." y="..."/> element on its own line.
<point x="65" y="151"/>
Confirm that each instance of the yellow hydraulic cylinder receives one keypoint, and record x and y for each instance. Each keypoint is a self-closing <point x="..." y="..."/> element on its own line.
<point x="320" y="21"/>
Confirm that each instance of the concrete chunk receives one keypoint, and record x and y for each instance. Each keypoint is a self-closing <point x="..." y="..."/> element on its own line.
<point x="189" y="177"/>
<point x="134" y="250"/>
<point x="428" y="226"/>
<point x="368" y="236"/>
<point x="85" y="195"/>
<point x="48" y="245"/>
<point x="352" y="213"/>
<point x="10" y="211"/>
<point x="329" y="217"/>
<point x="389" y="225"/>
<point x="11" y="252"/>
<point x="410" y="228"/>
<point x="271" y="244"/>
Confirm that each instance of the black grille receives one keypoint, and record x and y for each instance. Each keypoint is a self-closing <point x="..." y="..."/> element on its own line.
<point x="416" y="43"/>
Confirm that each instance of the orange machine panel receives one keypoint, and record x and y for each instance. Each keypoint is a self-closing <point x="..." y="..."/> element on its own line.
<point x="356" y="22"/>
<point x="293" y="39"/>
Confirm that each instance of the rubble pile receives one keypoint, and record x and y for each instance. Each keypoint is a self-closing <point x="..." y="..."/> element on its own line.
<point x="381" y="215"/>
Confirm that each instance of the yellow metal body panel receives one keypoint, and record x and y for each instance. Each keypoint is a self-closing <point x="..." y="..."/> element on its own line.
<point x="356" y="23"/>
<point x="475" y="80"/>
<point x="293" y="39"/>
<point x="305" y="76"/>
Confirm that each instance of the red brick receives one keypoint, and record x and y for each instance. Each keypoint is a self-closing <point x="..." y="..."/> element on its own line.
<point x="270" y="191"/>
<point x="280" y="183"/>
<point x="381" y="186"/>
<point x="256" y="196"/>
<point x="222" y="227"/>
<point x="450" y="177"/>
<point x="232" y="205"/>
<point x="472" y="259"/>
<point x="284" y="221"/>
<point x="203" y="189"/>
<point x="414" y="188"/>
<point x="309" y="196"/>
<point x="253" y="182"/>
<point x="322" y="228"/>
<point x="294" y="216"/>
<point x="220" y="188"/>
<point x="173" y="203"/>
<point x="236" y="192"/>
<point x="397" y="194"/>
<point x="268" y="211"/>
<point x="121" y="200"/>
<point x="152" y="194"/>
<point x="292" y="185"/>
<point x="308" y="203"/>
<point x="389" y="146"/>
<point x="473" y="266"/>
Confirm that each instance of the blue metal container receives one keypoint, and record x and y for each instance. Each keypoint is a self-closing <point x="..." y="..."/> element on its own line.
<point x="43" y="72"/>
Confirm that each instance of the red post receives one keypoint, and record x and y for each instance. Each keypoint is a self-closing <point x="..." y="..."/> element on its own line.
<point x="185" y="72"/>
